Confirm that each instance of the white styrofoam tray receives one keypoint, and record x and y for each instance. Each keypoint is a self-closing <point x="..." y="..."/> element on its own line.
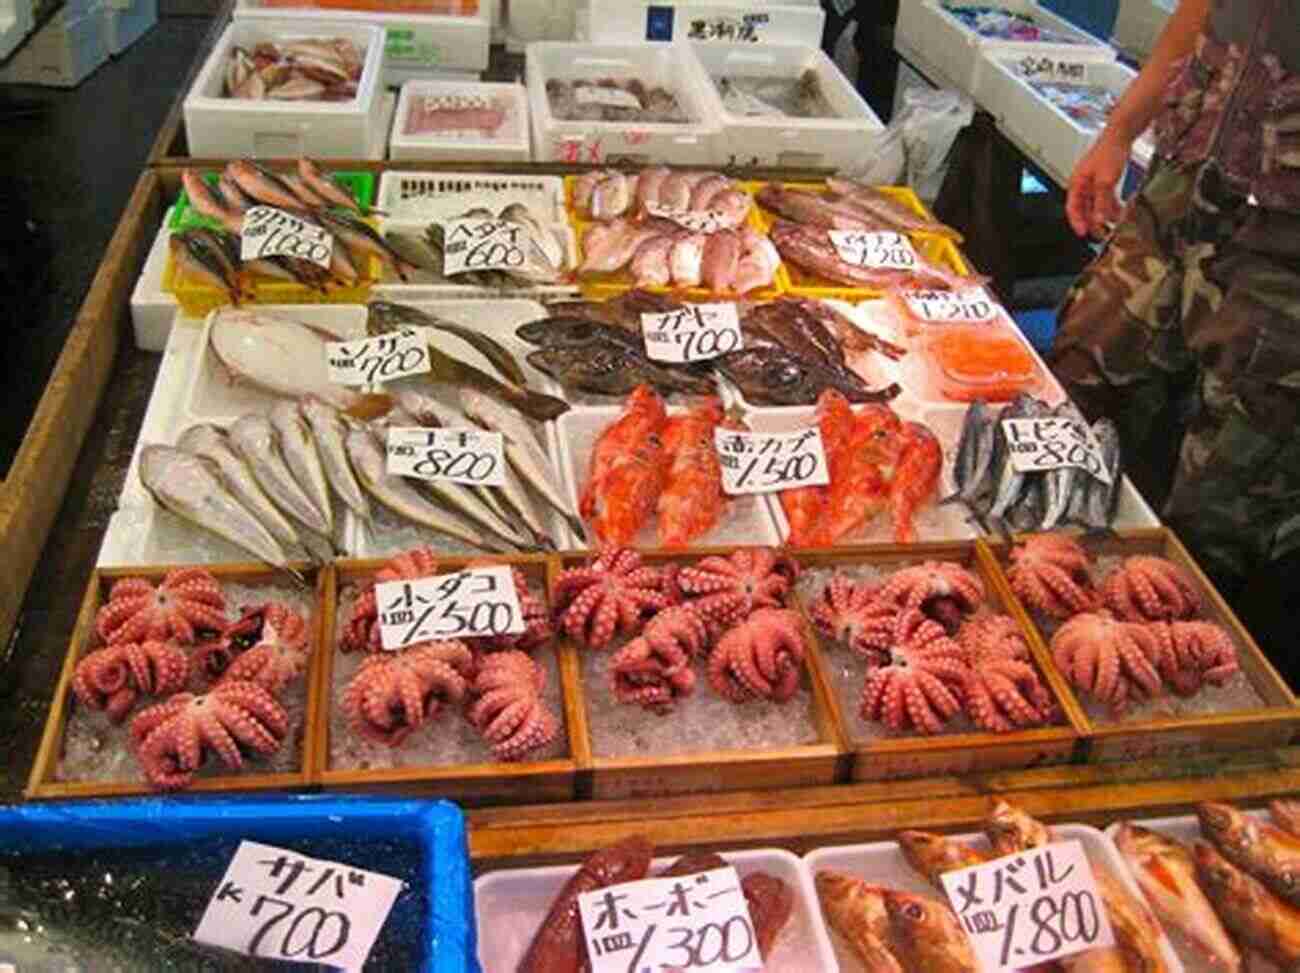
<point x="670" y="66"/>
<point x="780" y="140"/>
<point x="511" y="142"/>
<point x="883" y="863"/>
<point x="513" y="903"/>
<point x="788" y="22"/>
<point x="431" y="196"/>
<point x="1138" y="24"/>
<point x="220" y="127"/>
<point x="152" y="308"/>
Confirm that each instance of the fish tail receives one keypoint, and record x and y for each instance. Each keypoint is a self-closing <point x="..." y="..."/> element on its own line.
<point x="370" y="406"/>
<point x="541" y="406"/>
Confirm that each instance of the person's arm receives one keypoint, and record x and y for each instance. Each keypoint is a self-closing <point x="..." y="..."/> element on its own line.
<point x="1091" y="203"/>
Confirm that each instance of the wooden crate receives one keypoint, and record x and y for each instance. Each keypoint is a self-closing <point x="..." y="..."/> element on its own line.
<point x="43" y="783"/>
<point x="485" y="783"/>
<point x="1274" y="724"/>
<point x="823" y="762"/>
<point x="956" y="753"/>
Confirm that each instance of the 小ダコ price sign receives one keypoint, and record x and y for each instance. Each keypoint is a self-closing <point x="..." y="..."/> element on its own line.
<point x="695" y="332"/>
<point x="479" y="244"/>
<point x="695" y="922"/>
<point x="474" y="457"/>
<point x="381" y="358"/>
<point x="761" y="462"/>
<point x="876" y="250"/>
<point x="281" y="905"/>
<point x="1053" y="69"/>
<point x="695" y="220"/>
<point x="1052" y="443"/>
<point x="271" y="232"/>
<point x="474" y="603"/>
<point x="1030" y="908"/>
<point x="967" y="305"/>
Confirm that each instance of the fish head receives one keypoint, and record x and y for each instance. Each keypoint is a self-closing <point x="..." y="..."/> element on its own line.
<point x="201" y="437"/>
<point x="926" y="851"/>
<point x="914" y="918"/>
<point x="253" y="433"/>
<point x="385" y="316"/>
<point x="1222" y="823"/>
<point x="1219" y="877"/>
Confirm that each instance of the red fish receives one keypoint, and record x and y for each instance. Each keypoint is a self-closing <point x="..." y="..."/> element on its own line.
<point x="692" y="500"/>
<point x="627" y="471"/>
<point x="803" y="506"/>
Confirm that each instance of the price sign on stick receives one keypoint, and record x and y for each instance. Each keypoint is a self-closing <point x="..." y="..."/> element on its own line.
<point x="468" y="604"/>
<point x="968" y="305"/>
<point x="1053" y="443"/>
<point x="280" y="905"/>
<point x="382" y="358"/>
<point x="883" y="250"/>
<point x="474" y="457"/>
<point x="271" y="232"/>
<point x="695" y="922"/>
<point x="694" y="333"/>
<point x="756" y="462"/>
<point x="478" y="244"/>
<point x="1030" y="908"/>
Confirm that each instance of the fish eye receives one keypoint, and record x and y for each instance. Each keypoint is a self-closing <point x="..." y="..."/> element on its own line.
<point x="914" y="911"/>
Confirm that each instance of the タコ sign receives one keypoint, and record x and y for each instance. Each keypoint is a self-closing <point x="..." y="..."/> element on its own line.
<point x="474" y="603"/>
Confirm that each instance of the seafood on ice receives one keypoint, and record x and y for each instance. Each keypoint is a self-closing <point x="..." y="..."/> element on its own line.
<point x="614" y="100"/>
<point x="728" y="258"/>
<point x="303" y="69"/>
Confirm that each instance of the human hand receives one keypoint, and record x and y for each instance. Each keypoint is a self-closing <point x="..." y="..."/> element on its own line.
<point x="1090" y="203"/>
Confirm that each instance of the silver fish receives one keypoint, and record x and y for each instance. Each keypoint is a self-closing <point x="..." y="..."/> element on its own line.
<point x="518" y="500"/>
<point x="298" y="447"/>
<point x="974" y="459"/>
<point x="190" y="487"/>
<point x="552" y="243"/>
<point x="329" y="428"/>
<point x="1010" y="484"/>
<point x="1100" y="500"/>
<point x="1059" y="486"/>
<point x="256" y="441"/>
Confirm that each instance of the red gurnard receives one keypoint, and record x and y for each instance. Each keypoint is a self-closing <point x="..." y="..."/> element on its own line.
<point x="692" y="500"/>
<point x="627" y="471"/>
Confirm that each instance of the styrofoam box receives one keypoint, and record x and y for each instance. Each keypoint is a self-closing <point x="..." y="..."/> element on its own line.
<point x="1036" y="126"/>
<point x="219" y="127"/>
<point x="788" y="22"/>
<point x="433" y="196"/>
<point x="513" y="903"/>
<point x="882" y="863"/>
<point x="510" y="143"/>
<point x="15" y="23"/>
<point x="63" y="53"/>
<point x="152" y="309"/>
<point x="671" y="66"/>
<point x="781" y="141"/>
<point x="949" y="52"/>
<point x="126" y="21"/>
<point x="1138" y="24"/>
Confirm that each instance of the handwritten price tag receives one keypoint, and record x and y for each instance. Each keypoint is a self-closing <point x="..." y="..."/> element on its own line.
<point x="281" y="905"/>
<point x="757" y="462"/>
<point x="1052" y="69"/>
<point x="883" y="250"/>
<point x="271" y="232"/>
<point x="383" y="358"/>
<point x="696" y="922"/>
<point x="696" y="220"/>
<point x="471" y="456"/>
<point x="606" y="96"/>
<point x="1053" y="443"/>
<point x="465" y="605"/>
<point x="695" y="333"/>
<point x="967" y="305"/>
<point x="1030" y="908"/>
<point x="478" y="244"/>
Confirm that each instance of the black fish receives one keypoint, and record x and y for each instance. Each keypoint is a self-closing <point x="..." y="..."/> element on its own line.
<point x="569" y="332"/>
<point x="772" y="376"/>
<point x="605" y="368"/>
<point x="623" y="311"/>
<point x="787" y="324"/>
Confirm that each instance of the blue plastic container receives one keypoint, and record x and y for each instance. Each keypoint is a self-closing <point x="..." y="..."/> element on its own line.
<point x="437" y="827"/>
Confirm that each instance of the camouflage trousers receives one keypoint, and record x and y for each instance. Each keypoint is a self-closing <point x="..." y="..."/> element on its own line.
<point x="1186" y="332"/>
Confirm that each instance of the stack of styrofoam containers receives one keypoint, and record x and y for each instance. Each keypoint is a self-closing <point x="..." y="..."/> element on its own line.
<point x="126" y="21"/>
<point x="952" y="54"/>
<point x="766" y="140"/>
<point x="221" y="127"/>
<point x="781" y="22"/>
<point x="1138" y="24"/>
<point x="15" y="23"/>
<point x="509" y="143"/>
<point x="65" y="51"/>
<point x="670" y="66"/>
<point x="449" y="47"/>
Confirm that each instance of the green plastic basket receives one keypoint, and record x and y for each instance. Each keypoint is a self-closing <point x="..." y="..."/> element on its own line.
<point x="361" y="186"/>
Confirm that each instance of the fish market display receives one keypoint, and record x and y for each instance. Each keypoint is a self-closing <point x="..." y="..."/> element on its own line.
<point x="981" y="361"/>
<point x="999" y="23"/>
<point x="457" y="116"/>
<point x="1088" y="105"/>
<point x="544" y="252"/>
<point x="614" y="100"/>
<point x="304" y="69"/>
<point x="876" y="204"/>
<point x="627" y="470"/>
<point x="776" y="97"/>
<point x="606" y="194"/>
<point x="848" y="205"/>
<point x="811" y="249"/>
<point x="734" y="259"/>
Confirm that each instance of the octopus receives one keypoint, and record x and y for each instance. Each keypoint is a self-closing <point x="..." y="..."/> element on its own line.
<point x="1004" y="690"/>
<point x="726" y="590"/>
<point x="941" y="590"/>
<point x="1049" y="573"/>
<point x="267" y="645"/>
<point x="920" y="684"/>
<point x="114" y="677"/>
<point x="362" y="630"/>
<point x="1151" y="589"/>
<point x="537" y="620"/>
<point x="508" y="709"/>
<point x="849" y="612"/>
<point x="172" y="738"/>
<point x="1194" y="653"/>
<point x="614" y="593"/>
<point x="1108" y="658"/>
<point x="654" y="669"/>
<point x="183" y="603"/>
<point x="761" y="658"/>
<point x="393" y="694"/>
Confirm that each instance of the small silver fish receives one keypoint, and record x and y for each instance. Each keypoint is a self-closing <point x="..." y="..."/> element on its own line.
<point x="328" y="428"/>
<point x="1010" y="484"/>
<point x="298" y="447"/>
<point x="1059" y="486"/>
<point x="974" y="458"/>
<point x="255" y="439"/>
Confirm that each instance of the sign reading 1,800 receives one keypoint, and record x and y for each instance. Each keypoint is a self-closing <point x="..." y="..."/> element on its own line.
<point x="468" y="604"/>
<point x="695" y="332"/>
<point x="271" y="232"/>
<point x="483" y="244"/>
<point x="474" y="457"/>
<point x="381" y="358"/>
<point x="754" y="462"/>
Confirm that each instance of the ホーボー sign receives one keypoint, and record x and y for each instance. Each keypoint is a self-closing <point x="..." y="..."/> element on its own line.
<point x="755" y="462"/>
<point x="271" y="232"/>
<point x="468" y="604"/>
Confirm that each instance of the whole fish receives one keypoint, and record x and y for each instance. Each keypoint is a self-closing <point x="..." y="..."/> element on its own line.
<point x="196" y="255"/>
<point x="612" y="195"/>
<point x="497" y="354"/>
<point x="789" y="323"/>
<point x="550" y="260"/>
<point x="1060" y="485"/>
<point x="302" y="191"/>
<point x="873" y="202"/>
<point x="211" y="443"/>
<point x="771" y="905"/>
<point x="812" y="250"/>
<point x="188" y="486"/>
<point x="1101" y="500"/>
<point x="692" y="500"/>
<point x="686" y="259"/>
<point x="859" y="490"/>
<point x="298" y="447"/>
<point x="771" y="376"/>
<point x="927" y="934"/>
<point x="974" y="459"/>
<point x="1138" y="936"/>
<point x="650" y="263"/>
<point x="626" y="471"/>
<point x="856" y="911"/>
<point x="1010" y="484"/>
<point x="933" y="854"/>
<point x="360" y="237"/>
<point x="815" y="209"/>
<point x="609" y="369"/>
<point x="1286" y="815"/>
<point x="571" y="332"/>
<point x="424" y="266"/>
<point x="1268" y="853"/>
<point x="263" y="185"/>
<point x="1166" y="873"/>
<point x="208" y="201"/>
<point x="609" y="247"/>
<point x="325" y="187"/>
<point x="805" y="506"/>
<point x="292" y="269"/>
<point x="329" y="429"/>
<point x="1010" y="829"/>
<point x="623" y="311"/>
<point x="1257" y="918"/>
<point x="847" y="333"/>
<point x="720" y="261"/>
<point x="649" y="184"/>
<point x="256" y="440"/>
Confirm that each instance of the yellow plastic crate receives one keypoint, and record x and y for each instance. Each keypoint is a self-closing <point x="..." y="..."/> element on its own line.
<point x="197" y="299"/>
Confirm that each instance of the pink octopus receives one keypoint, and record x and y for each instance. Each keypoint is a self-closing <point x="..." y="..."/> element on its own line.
<point x="1194" y="653"/>
<point x="726" y="590"/>
<point x="940" y="590"/>
<point x="114" y="677"/>
<point x="1108" y="658"/>
<point x="1004" y="691"/>
<point x="184" y="602"/>
<point x="508" y="709"/>
<point x="761" y="658"/>
<point x="1049" y="573"/>
<point x="614" y="593"/>
<point x="362" y="630"/>
<point x="655" y="668"/>
<point x="393" y="694"/>
<point x="171" y="738"/>
<point x="1151" y="589"/>
<point x="849" y="612"/>
<point x="266" y="646"/>
<point x="920" y="684"/>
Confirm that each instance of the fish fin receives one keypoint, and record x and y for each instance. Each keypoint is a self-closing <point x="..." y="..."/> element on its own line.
<point x="543" y="407"/>
<point x="370" y="406"/>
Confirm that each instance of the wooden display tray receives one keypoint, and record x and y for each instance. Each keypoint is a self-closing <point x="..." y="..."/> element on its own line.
<point x="43" y="783"/>
<point x="1275" y="724"/>
<point x="484" y="783"/>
